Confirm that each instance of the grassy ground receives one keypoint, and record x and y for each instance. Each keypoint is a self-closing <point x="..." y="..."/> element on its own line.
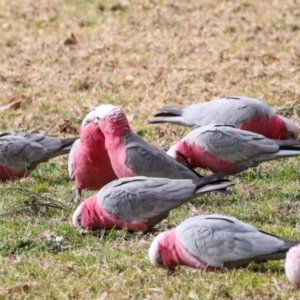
<point x="141" y="55"/>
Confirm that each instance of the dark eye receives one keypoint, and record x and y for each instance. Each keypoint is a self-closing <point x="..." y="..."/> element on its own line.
<point x="160" y="261"/>
<point x="87" y="122"/>
<point x="292" y="135"/>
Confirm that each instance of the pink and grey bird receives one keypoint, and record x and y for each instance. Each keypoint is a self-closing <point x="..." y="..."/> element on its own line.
<point x="216" y="241"/>
<point x="225" y="149"/>
<point x="139" y="203"/>
<point x="292" y="265"/>
<point x="89" y="164"/>
<point x="129" y="154"/>
<point x="20" y="153"/>
<point x="242" y="112"/>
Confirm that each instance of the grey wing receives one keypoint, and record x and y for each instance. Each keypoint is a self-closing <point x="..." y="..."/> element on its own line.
<point x="228" y="111"/>
<point x="17" y="152"/>
<point x="146" y="160"/>
<point x="71" y="162"/>
<point x="143" y="199"/>
<point x="215" y="240"/>
<point x="232" y="144"/>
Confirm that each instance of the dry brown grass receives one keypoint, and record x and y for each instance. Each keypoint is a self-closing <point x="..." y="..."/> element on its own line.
<point x="142" y="55"/>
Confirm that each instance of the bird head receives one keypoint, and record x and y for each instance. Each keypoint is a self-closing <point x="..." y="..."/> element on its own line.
<point x="173" y="151"/>
<point x="90" y="117"/>
<point x="111" y="119"/>
<point x="292" y="128"/>
<point x="154" y="253"/>
<point x="76" y="219"/>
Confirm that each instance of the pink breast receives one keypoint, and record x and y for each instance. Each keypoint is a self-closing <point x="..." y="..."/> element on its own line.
<point x="93" y="168"/>
<point x="96" y="217"/>
<point x="117" y="154"/>
<point x="6" y="173"/>
<point x="273" y="128"/>
<point x="173" y="253"/>
<point x="201" y="158"/>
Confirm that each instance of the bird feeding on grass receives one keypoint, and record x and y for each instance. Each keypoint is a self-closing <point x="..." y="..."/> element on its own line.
<point x="225" y="149"/>
<point x="20" y="153"/>
<point x="139" y="203"/>
<point x="239" y="111"/>
<point x="214" y="241"/>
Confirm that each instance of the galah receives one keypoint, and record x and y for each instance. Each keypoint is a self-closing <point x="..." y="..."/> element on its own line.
<point x="89" y="164"/>
<point x="129" y="154"/>
<point x="226" y="149"/>
<point x="139" y="203"/>
<point x="20" y="153"/>
<point x="215" y="241"/>
<point x="242" y="112"/>
<point x="292" y="265"/>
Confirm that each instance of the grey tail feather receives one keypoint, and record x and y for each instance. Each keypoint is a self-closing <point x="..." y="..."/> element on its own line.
<point x="289" y="244"/>
<point x="166" y="114"/>
<point x="212" y="179"/>
<point x="178" y="120"/>
<point x="243" y="263"/>
<point x="171" y="110"/>
<point x="66" y="145"/>
<point x="293" y="148"/>
<point x="280" y="254"/>
<point x="159" y="121"/>
<point x="287" y="143"/>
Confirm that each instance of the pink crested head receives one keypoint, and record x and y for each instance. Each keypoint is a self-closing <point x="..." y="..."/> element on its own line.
<point x="86" y="214"/>
<point x="173" y="151"/>
<point x="105" y="111"/>
<point x="111" y="120"/>
<point x="90" y="134"/>
<point x="292" y="265"/>
<point x="76" y="219"/>
<point x="90" y="117"/>
<point x="291" y="128"/>
<point x="154" y="252"/>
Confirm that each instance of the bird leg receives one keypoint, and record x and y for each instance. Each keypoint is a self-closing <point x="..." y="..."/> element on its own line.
<point x="77" y="195"/>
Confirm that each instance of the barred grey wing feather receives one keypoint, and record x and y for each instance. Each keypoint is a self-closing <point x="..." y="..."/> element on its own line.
<point x="146" y="160"/>
<point x="17" y="153"/>
<point x="216" y="240"/>
<point x="144" y="198"/>
<point x="231" y="143"/>
<point x="23" y="150"/>
<point x="228" y="111"/>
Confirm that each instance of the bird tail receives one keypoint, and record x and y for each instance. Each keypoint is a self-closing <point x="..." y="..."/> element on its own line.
<point x="173" y="114"/>
<point x="283" y="144"/>
<point x="66" y="145"/>
<point x="287" y="152"/>
<point x="171" y="111"/>
<point x="215" y="182"/>
<point x="171" y="120"/>
<point x="278" y="255"/>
